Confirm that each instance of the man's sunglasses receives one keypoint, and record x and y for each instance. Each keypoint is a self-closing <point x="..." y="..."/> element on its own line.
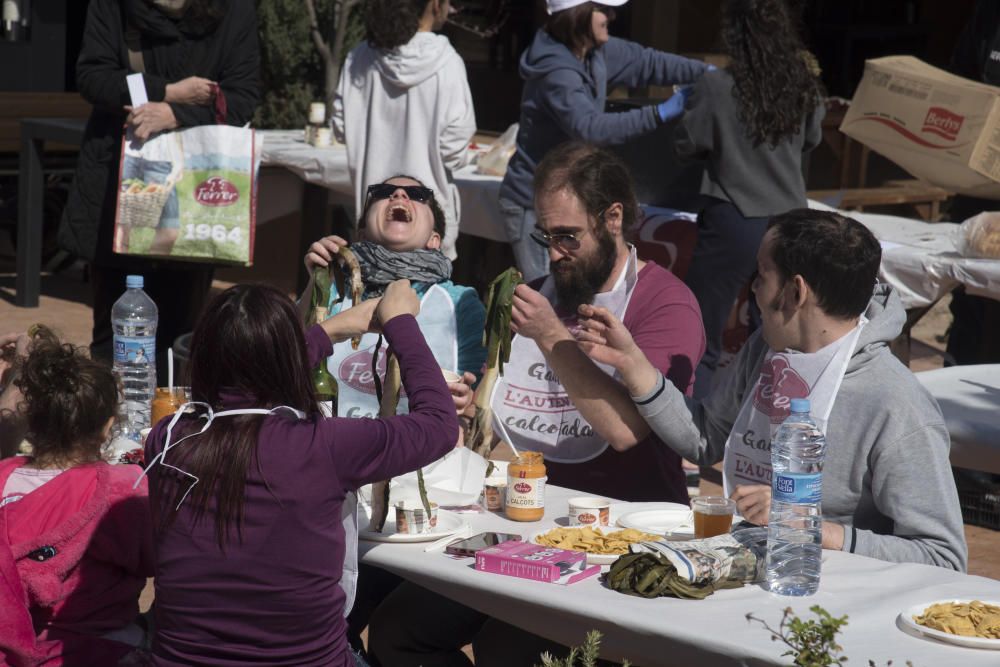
<point x="564" y="241"/>
<point x="417" y="193"/>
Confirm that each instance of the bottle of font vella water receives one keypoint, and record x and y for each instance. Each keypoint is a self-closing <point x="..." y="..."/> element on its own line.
<point x="133" y="318"/>
<point x="794" y="535"/>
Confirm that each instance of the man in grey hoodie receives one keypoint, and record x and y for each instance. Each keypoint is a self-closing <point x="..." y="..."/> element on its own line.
<point x="888" y="490"/>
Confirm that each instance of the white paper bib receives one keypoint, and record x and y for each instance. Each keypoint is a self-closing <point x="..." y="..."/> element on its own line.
<point x="783" y="376"/>
<point x="356" y="396"/>
<point x="353" y="368"/>
<point x="531" y="408"/>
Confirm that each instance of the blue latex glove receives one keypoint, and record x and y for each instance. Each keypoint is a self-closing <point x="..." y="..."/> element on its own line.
<point x="674" y="107"/>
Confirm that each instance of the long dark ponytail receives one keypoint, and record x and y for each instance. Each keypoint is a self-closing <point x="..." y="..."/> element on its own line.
<point x="249" y="344"/>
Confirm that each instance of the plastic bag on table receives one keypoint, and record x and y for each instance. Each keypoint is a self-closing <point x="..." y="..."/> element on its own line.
<point x="494" y="161"/>
<point x="979" y="236"/>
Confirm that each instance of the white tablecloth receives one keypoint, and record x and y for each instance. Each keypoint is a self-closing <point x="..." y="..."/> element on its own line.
<point x="969" y="397"/>
<point x="714" y="631"/>
<point x="921" y="261"/>
<point x="328" y="167"/>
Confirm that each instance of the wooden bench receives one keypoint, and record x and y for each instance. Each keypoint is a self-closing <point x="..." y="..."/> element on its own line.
<point x="925" y="198"/>
<point x="15" y="106"/>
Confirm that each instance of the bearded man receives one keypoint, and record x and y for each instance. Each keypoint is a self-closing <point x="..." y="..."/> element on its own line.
<point x="552" y="398"/>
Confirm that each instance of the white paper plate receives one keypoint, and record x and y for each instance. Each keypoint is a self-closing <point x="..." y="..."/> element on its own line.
<point x="592" y="559"/>
<point x="907" y="615"/>
<point x="666" y="519"/>
<point x="447" y="523"/>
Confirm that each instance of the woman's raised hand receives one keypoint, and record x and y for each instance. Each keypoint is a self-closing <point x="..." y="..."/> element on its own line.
<point x="321" y="252"/>
<point x="351" y="322"/>
<point x="399" y="299"/>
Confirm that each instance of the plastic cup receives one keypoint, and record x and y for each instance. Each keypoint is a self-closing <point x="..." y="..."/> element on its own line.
<point x="412" y="518"/>
<point x="713" y="515"/>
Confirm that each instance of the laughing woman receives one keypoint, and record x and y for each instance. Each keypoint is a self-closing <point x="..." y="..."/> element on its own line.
<point x="402" y="226"/>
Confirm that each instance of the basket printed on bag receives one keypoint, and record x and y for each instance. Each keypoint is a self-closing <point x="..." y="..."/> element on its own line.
<point x="142" y="205"/>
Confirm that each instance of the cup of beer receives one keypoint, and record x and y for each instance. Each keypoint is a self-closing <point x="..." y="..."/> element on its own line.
<point x="713" y="515"/>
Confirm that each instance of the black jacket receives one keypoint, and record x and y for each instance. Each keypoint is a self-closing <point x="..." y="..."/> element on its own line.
<point x="222" y="48"/>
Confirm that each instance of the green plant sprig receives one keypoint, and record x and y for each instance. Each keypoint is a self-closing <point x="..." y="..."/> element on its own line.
<point x="811" y="643"/>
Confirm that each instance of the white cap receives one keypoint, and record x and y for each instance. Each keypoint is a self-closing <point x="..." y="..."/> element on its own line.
<point x="554" y="6"/>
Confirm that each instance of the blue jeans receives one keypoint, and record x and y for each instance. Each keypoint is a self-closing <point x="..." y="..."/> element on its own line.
<point x="532" y="259"/>
<point x="725" y="257"/>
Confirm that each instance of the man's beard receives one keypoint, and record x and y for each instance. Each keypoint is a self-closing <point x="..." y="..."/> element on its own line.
<point x="580" y="281"/>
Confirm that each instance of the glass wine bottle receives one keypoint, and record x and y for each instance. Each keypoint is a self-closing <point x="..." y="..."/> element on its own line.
<point x="324" y="383"/>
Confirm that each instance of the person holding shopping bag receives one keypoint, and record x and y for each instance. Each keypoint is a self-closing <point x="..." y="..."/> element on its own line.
<point x="189" y="52"/>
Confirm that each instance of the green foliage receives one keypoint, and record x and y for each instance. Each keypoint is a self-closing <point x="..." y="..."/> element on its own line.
<point x="811" y="643"/>
<point x="292" y="73"/>
<point x="587" y="654"/>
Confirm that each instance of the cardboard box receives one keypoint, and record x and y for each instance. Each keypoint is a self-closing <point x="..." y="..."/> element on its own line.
<point x="941" y="128"/>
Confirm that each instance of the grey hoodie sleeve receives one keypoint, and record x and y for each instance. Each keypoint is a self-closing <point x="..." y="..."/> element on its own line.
<point x="568" y="103"/>
<point x="912" y="484"/>
<point x="698" y="430"/>
<point x="633" y="65"/>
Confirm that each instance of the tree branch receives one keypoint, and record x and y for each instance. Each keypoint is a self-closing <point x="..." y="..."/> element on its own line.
<point x="316" y="34"/>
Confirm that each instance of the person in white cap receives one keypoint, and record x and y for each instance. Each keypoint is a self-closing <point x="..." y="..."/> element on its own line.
<point x="567" y="70"/>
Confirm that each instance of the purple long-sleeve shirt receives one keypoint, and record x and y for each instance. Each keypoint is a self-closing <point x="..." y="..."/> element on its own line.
<point x="274" y="598"/>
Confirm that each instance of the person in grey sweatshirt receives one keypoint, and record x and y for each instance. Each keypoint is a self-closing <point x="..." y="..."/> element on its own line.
<point x="751" y="122"/>
<point x="567" y="70"/>
<point x="888" y="490"/>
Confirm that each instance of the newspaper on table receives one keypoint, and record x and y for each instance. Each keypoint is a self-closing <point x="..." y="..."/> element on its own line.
<point x="691" y="569"/>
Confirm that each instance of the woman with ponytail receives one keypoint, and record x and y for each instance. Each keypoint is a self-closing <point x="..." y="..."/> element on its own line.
<point x="75" y="536"/>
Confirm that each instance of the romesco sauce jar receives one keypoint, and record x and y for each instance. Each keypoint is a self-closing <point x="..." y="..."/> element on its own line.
<point x="526" y="488"/>
<point x="165" y="403"/>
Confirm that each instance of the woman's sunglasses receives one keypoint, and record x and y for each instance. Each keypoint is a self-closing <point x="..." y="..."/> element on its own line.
<point x="417" y="193"/>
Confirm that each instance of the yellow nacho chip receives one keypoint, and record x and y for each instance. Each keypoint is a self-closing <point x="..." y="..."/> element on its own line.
<point x="967" y="619"/>
<point x="592" y="540"/>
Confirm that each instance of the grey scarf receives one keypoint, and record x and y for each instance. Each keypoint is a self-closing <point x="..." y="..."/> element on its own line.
<point x="380" y="266"/>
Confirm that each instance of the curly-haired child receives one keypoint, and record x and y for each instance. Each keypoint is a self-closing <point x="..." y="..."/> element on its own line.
<point x="75" y="538"/>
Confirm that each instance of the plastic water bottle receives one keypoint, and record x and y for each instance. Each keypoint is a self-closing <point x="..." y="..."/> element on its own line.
<point x="134" y="318"/>
<point x="795" y="526"/>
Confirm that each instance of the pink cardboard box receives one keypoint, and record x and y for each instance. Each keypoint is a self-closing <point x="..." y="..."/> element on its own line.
<point x="534" y="561"/>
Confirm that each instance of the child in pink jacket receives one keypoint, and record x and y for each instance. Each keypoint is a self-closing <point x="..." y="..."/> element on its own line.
<point x="75" y="538"/>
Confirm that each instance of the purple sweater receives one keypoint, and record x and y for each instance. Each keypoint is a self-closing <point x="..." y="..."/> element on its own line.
<point x="275" y="599"/>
